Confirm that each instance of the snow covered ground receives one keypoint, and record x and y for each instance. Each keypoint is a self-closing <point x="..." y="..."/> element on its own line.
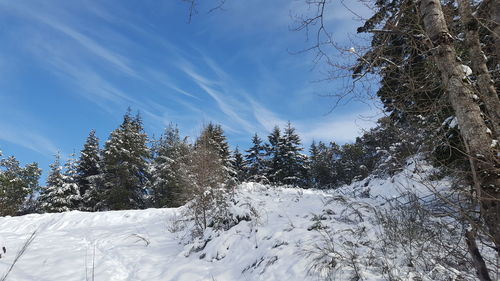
<point x="148" y="245"/>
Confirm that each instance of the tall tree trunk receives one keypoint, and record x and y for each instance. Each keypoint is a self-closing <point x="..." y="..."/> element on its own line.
<point x="487" y="90"/>
<point x="472" y="126"/>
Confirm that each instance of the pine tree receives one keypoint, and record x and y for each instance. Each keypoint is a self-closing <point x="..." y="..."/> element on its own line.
<point x="58" y="195"/>
<point x="168" y="169"/>
<point x="214" y="136"/>
<point x="292" y="163"/>
<point x="387" y="146"/>
<point x="214" y="139"/>
<point x="238" y="165"/>
<point x="70" y="185"/>
<point x="351" y="165"/>
<point x="17" y="186"/>
<point x="255" y="161"/>
<point x="89" y="174"/>
<point x="321" y="166"/>
<point x="125" y="165"/>
<point x="314" y="165"/>
<point x="30" y="176"/>
<point x="273" y="164"/>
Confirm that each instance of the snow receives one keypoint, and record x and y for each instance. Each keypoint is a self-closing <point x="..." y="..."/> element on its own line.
<point x="154" y="244"/>
<point x="451" y="122"/>
<point x="466" y="70"/>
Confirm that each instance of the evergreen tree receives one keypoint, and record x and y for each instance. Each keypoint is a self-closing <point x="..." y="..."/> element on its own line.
<point x="70" y="183"/>
<point x="321" y="165"/>
<point x="238" y="165"/>
<point x="292" y="163"/>
<point x="57" y="196"/>
<point x="30" y="176"/>
<point x="351" y="165"/>
<point x="125" y="165"/>
<point x="89" y="174"/>
<point x="387" y="146"/>
<point x="313" y="164"/>
<point x="17" y="186"/>
<point x="168" y="169"/>
<point x="255" y="161"/>
<point x="273" y="159"/>
<point x="212" y="136"/>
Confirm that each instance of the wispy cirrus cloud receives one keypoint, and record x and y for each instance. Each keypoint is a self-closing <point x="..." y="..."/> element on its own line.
<point x="25" y="137"/>
<point x="89" y="68"/>
<point x="90" y="84"/>
<point x="114" y="58"/>
<point x="255" y="116"/>
<point x="18" y="127"/>
<point x="165" y="80"/>
<point x="266" y="118"/>
<point x="82" y="40"/>
<point x="92" y="46"/>
<point x="223" y="94"/>
<point x="326" y="128"/>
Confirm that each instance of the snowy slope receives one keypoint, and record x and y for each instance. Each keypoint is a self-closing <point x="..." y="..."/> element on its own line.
<point x="147" y="245"/>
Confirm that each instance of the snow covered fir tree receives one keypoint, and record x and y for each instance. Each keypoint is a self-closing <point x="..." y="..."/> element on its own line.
<point x="168" y="169"/>
<point x="255" y="161"/>
<point x="89" y="173"/>
<point x="125" y="166"/>
<point x="250" y="196"/>
<point x="61" y="193"/>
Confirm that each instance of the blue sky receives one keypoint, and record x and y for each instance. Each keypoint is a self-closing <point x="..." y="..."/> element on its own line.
<point x="67" y="67"/>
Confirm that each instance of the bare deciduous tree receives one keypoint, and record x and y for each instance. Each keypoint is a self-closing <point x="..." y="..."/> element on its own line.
<point x="472" y="126"/>
<point x="207" y="185"/>
<point x="478" y="59"/>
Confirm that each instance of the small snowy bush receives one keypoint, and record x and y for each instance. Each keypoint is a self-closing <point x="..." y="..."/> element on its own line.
<point x="218" y="209"/>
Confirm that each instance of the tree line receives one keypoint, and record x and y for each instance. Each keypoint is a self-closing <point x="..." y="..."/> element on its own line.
<point x="132" y="172"/>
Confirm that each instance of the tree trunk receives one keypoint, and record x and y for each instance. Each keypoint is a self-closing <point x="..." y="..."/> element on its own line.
<point x="487" y="90"/>
<point x="473" y="129"/>
<point x="477" y="259"/>
<point x="495" y="18"/>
